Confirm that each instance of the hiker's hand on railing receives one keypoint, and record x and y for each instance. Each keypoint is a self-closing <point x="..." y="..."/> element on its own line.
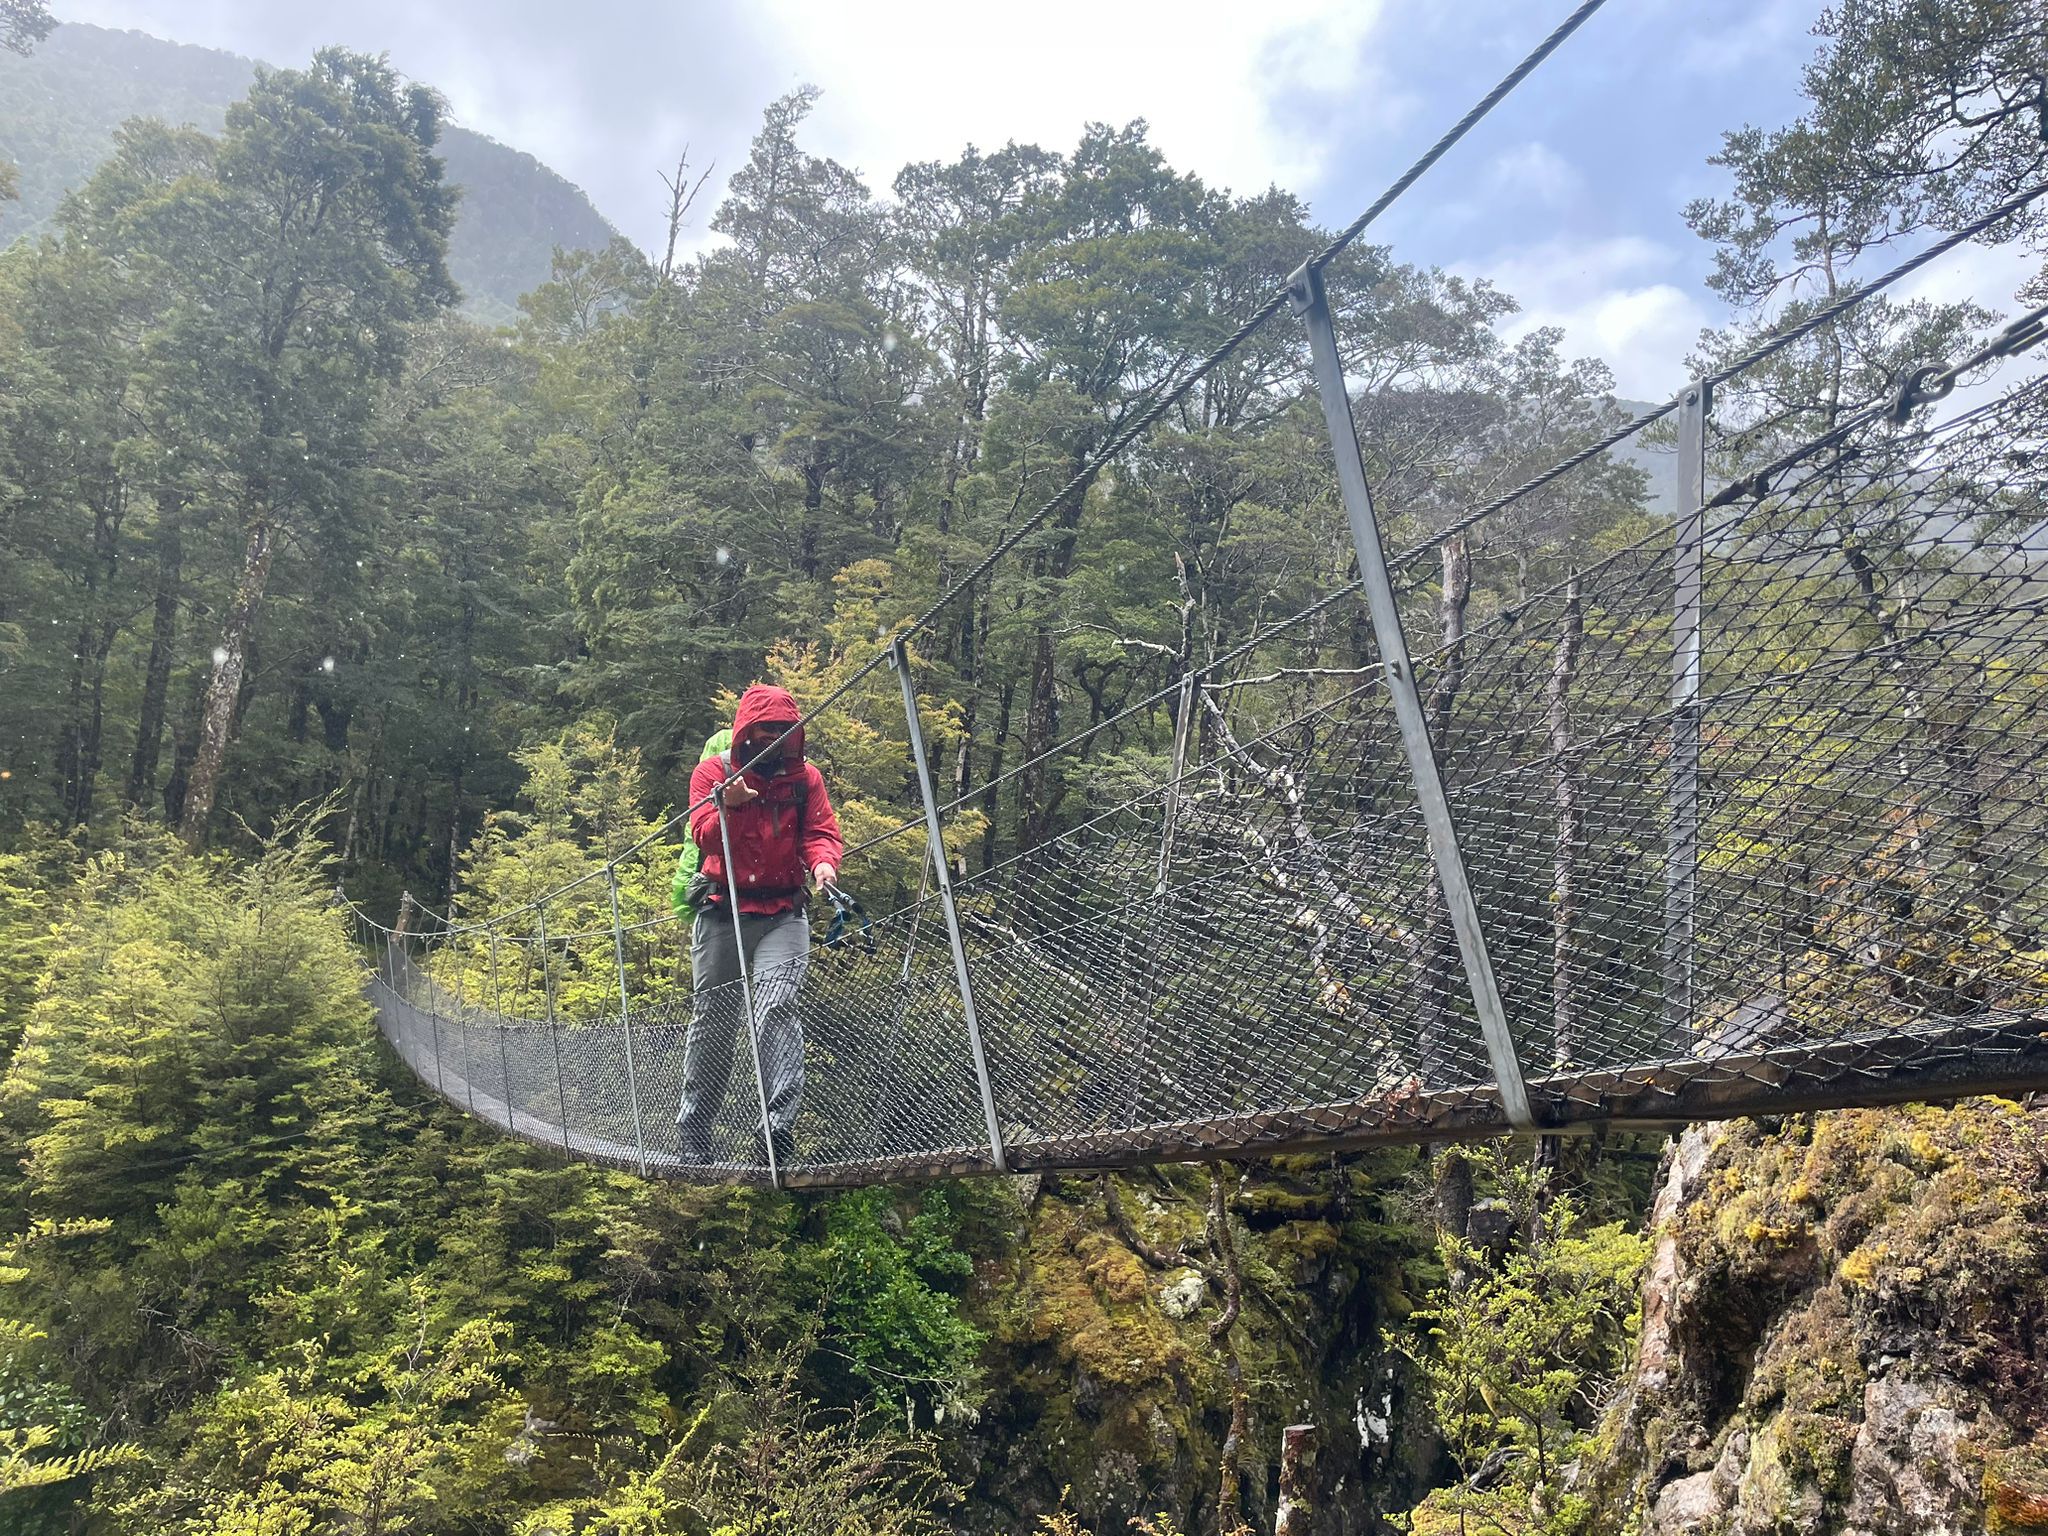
<point x="738" y="791"/>
<point x="825" y="877"/>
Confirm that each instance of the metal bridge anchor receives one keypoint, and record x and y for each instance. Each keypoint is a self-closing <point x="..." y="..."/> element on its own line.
<point x="1308" y="300"/>
<point x="899" y="658"/>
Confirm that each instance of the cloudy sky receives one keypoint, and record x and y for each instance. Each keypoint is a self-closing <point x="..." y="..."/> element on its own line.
<point x="1569" y="196"/>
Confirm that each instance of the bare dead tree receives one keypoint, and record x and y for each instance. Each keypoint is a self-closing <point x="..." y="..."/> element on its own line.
<point x="682" y="195"/>
<point x="1230" y="1481"/>
<point x="1437" y="938"/>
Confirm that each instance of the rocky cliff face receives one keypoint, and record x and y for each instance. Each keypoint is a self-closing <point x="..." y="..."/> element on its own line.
<point x="1110" y="1392"/>
<point x="1845" y="1330"/>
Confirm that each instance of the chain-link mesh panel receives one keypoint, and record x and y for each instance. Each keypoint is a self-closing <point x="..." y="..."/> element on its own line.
<point x="1817" y="878"/>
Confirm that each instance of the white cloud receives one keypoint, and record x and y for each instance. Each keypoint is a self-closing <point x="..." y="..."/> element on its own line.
<point x="1721" y="45"/>
<point x="1974" y="274"/>
<point x="1614" y="299"/>
<point x="1536" y="171"/>
<point x="919" y="79"/>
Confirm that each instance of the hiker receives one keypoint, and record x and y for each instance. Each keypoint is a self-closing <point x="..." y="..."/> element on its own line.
<point x="782" y="829"/>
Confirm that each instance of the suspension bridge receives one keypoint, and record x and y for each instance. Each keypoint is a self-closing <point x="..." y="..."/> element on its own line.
<point x="1747" y="814"/>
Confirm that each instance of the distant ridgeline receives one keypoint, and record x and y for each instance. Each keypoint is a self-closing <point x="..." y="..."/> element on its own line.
<point x="60" y="106"/>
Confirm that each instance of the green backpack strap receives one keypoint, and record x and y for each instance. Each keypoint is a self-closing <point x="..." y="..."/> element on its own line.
<point x="692" y="857"/>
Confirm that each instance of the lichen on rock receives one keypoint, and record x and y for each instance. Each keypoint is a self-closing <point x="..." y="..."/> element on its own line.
<point x="1845" y="1330"/>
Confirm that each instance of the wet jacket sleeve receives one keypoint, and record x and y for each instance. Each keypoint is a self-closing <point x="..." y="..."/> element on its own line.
<point x="822" y="841"/>
<point x="709" y="774"/>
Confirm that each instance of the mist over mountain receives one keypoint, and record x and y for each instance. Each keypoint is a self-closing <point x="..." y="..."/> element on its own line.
<point x="60" y="106"/>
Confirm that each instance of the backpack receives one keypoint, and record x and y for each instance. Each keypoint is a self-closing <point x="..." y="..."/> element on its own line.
<point x="684" y="891"/>
<point x="680" y="897"/>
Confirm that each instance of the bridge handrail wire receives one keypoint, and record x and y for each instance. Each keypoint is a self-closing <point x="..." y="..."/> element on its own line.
<point x="1760" y="353"/>
<point x="1152" y="414"/>
<point x="1110" y="929"/>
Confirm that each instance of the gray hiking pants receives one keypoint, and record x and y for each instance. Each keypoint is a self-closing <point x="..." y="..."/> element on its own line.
<point x="778" y="951"/>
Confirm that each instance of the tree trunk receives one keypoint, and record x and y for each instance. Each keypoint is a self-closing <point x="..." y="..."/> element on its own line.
<point x="990" y="797"/>
<point x="163" y="639"/>
<point x="973" y="647"/>
<point x="1438" y="940"/>
<point x="1038" y="793"/>
<point x="184" y="747"/>
<point x="453" y="841"/>
<point x="78" y="753"/>
<point x="1297" y="1464"/>
<point x="1230" y="1479"/>
<point x="1569" y="832"/>
<point x="223" y="691"/>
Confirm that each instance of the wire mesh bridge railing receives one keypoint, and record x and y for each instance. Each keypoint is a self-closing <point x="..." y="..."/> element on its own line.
<point x="1747" y="812"/>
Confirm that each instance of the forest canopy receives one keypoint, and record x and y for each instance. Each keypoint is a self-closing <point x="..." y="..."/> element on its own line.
<point x="309" y="581"/>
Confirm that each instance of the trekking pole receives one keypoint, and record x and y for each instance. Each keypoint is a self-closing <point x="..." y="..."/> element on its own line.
<point x="739" y="949"/>
<point x="547" y="988"/>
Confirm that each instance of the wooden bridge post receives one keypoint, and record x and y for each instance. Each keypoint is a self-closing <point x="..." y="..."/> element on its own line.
<point x="1308" y="300"/>
<point x="611" y="880"/>
<point x="547" y="992"/>
<point x="1682" y="834"/>
<point x="899" y="658"/>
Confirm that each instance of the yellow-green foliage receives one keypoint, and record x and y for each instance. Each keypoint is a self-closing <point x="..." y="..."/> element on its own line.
<point x="1522" y="1350"/>
<point x="581" y="794"/>
<point x="308" y="1299"/>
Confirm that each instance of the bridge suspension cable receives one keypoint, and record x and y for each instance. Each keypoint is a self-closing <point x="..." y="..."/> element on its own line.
<point x="1526" y="874"/>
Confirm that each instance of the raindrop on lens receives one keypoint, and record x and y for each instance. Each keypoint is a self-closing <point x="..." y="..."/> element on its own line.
<point x="888" y="341"/>
<point x="220" y="655"/>
<point x="722" y="555"/>
<point x="326" y="663"/>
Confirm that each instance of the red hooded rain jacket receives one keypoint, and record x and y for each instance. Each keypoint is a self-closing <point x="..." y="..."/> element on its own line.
<point x="778" y="839"/>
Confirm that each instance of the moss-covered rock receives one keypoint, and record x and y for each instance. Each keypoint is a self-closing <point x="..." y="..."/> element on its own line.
<point x="1110" y="1399"/>
<point x="1845" y="1330"/>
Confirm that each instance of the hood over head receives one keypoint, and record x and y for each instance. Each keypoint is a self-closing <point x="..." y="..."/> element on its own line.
<point x="765" y="701"/>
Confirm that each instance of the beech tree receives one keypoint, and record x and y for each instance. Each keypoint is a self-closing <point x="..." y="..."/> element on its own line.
<point x="293" y="269"/>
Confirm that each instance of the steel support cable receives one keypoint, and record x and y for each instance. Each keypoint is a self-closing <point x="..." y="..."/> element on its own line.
<point x="1648" y="543"/>
<point x="1265" y="312"/>
<point x="1748" y="485"/>
<point x="1223" y="659"/>
<point x="1349" y="588"/>
<point x="1149" y="416"/>
<point x="1471" y="519"/>
<point x="1457" y="131"/>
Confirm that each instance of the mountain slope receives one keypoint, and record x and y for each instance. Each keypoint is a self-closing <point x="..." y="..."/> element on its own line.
<point x="60" y="106"/>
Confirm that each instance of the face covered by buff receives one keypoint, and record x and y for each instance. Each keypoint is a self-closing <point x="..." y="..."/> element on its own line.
<point x="760" y="750"/>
